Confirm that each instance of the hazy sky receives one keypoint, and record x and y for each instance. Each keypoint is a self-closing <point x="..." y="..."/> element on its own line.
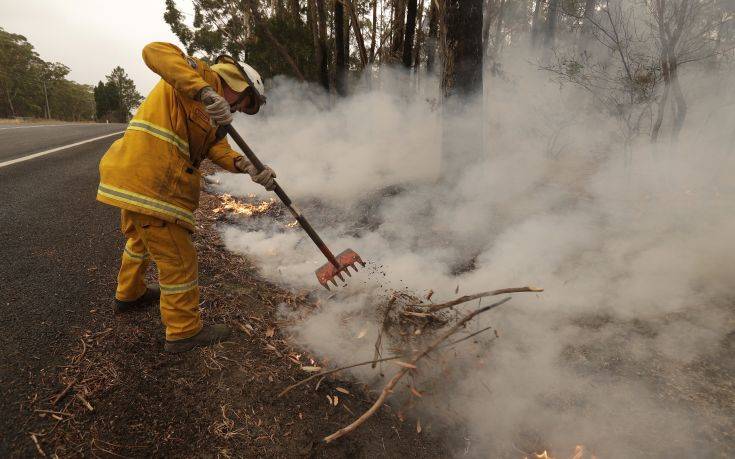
<point x="91" y="36"/>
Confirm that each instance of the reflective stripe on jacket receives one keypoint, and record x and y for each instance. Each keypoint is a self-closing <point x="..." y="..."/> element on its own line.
<point x="153" y="168"/>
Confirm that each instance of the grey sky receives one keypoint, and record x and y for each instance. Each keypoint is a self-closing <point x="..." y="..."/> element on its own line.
<point x="91" y="36"/>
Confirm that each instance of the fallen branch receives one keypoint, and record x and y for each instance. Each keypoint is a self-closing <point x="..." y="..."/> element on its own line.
<point x="369" y="362"/>
<point x="388" y="389"/>
<point x="466" y="298"/>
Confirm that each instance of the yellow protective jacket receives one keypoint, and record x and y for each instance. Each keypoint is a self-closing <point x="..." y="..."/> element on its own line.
<point x="153" y="168"/>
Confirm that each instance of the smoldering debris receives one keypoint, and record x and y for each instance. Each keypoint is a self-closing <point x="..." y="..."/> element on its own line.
<point x="627" y="350"/>
<point x="414" y="330"/>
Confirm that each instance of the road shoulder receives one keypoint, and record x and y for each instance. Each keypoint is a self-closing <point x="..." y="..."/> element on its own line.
<point x="119" y="395"/>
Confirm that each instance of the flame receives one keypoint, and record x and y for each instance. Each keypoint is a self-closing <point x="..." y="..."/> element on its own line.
<point x="578" y="454"/>
<point x="239" y="208"/>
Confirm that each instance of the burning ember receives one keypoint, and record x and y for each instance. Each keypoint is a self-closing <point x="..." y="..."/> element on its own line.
<point x="579" y="453"/>
<point x="237" y="207"/>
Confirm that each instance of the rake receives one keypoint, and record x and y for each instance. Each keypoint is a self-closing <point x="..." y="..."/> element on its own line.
<point x="337" y="265"/>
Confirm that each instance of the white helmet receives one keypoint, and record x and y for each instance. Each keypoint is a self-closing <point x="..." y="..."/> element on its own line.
<point x="254" y="78"/>
<point x="238" y="76"/>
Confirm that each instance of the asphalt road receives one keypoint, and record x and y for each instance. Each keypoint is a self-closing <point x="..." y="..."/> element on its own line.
<point x="59" y="250"/>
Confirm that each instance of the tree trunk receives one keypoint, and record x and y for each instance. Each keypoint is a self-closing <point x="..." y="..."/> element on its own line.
<point x="419" y="36"/>
<point x="339" y="43"/>
<point x="374" y="31"/>
<point x="589" y="15"/>
<point x="323" y="49"/>
<point x="461" y="84"/>
<point x="358" y="33"/>
<point x="551" y="21"/>
<point x="431" y="40"/>
<point x="410" y="31"/>
<point x="313" y="19"/>
<point x="499" y="27"/>
<point x="10" y="100"/>
<point x="463" y="53"/>
<point x="295" y="10"/>
<point x="681" y="104"/>
<point x="399" y="27"/>
<point x="660" y="116"/>
<point x="536" y="24"/>
<point x="486" y="25"/>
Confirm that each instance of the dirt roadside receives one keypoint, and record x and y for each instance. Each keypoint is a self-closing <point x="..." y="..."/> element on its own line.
<point x="119" y="395"/>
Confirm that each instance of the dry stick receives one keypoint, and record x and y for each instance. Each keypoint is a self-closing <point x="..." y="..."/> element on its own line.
<point x="38" y="445"/>
<point x="329" y="372"/>
<point x="63" y="392"/>
<point x="466" y="298"/>
<point x="368" y="362"/>
<point x="374" y="361"/>
<point x="85" y="402"/>
<point x="392" y="383"/>
<point x="383" y="328"/>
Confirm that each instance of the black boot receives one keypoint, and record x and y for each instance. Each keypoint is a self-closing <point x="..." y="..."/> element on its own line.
<point x="151" y="296"/>
<point x="209" y="334"/>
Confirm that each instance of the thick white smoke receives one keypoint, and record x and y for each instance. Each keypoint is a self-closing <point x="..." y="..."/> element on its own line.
<point x="633" y="244"/>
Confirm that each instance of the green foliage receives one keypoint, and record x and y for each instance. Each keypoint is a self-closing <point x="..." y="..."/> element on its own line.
<point x="262" y="55"/>
<point x="226" y="27"/>
<point x="26" y="80"/>
<point x="107" y="102"/>
<point x="128" y="96"/>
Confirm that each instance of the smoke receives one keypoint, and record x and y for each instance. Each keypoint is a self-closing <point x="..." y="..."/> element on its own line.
<point x="625" y="352"/>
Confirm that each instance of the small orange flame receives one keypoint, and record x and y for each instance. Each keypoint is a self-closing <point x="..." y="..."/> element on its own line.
<point x="240" y="208"/>
<point x="579" y="453"/>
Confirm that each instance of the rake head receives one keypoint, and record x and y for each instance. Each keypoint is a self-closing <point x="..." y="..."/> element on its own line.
<point x="347" y="259"/>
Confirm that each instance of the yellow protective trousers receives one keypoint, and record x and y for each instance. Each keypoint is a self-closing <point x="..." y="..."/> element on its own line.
<point x="171" y="248"/>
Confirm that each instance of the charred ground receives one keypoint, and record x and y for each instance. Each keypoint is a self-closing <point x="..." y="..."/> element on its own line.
<point x="118" y="394"/>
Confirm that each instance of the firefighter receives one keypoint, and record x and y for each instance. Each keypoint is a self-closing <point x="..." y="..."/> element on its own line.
<point x="152" y="175"/>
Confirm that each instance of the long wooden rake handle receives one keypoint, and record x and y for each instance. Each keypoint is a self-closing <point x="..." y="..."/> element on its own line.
<point x="228" y="129"/>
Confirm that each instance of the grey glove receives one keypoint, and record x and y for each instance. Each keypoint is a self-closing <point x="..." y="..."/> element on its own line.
<point x="217" y="107"/>
<point x="265" y="177"/>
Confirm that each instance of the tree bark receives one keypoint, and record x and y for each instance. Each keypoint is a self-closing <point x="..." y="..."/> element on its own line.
<point x="419" y="36"/>
<point x="358" y="33"/>
<point x="313" y="20"/>
<point x="399" y="27"/>
<point x="499" y="26"/>
<point x="461" y="83"/>
<point x="339" y="43"/>
<point x="410" y="31"/>
<point x="463" y="53"/>
<point x="551" y="21"/>
<point x="295" y="8"/>
<point x="323" y="49"/>
<point x="432" y="38"/>
<point x="589" y="16"/>
<point x="536" y="24"/>
<point x="374" y="31"/>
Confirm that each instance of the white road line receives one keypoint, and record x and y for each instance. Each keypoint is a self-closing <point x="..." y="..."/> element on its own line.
<point x="5" y="128"/>
<point x="54" y="150"/>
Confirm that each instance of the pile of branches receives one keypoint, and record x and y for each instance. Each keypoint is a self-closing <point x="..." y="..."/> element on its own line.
<point x="414" y="329"/>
